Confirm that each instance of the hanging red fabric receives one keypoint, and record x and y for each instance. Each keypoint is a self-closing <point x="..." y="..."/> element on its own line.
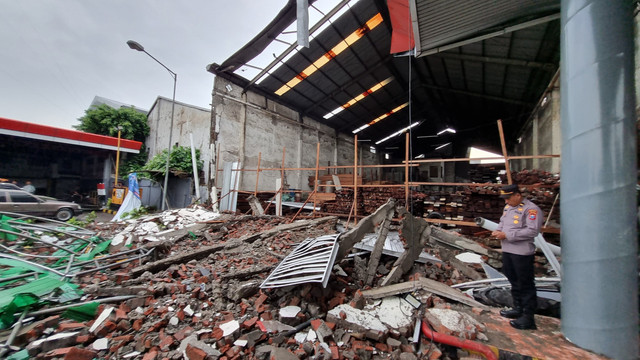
<point x="402" y="31"/>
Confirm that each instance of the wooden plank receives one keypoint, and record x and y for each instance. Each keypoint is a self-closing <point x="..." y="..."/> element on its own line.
<point x="433" y="286"/>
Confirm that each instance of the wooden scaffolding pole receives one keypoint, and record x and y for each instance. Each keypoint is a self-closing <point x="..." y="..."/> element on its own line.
<point x="255" y="193"/>
<point x="217" y="163"/>
<point x="282" y="170"/>
<point x="315" y="185"/>
<point x="504" y="152"/>
<point x="355" y="179"/>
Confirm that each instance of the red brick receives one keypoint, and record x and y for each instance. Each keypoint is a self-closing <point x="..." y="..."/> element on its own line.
<point x="249" y="323"/>
<point x="57" y="352"/>
<point x="166" y="343"/>
<point x="151" y="355"/>
<point x="217" y="333"/>
<point x="180" y="314"/>
<point x="121" y="314"/>
<point x="233" y="351"/>
<point x="123" y="325"/>
<point x="383" y="347"/>
<point x="183" y="333"/>
<point x="406" y="348"/>
<point x="267" y="315"/>
<point x="335" y="354"/>
<point x="107" y="327"/>
<point x="315" y="324"/>
<point x="261" y="299"/>
<point x="80" y="354"/>
<point x="83" y="339"/>
<point x="124" y="307"/>
<point x="137" y="324"/>
<point x="70" y="326"/>
<point x="122" y="338"/>
<point x="194" y="353"/>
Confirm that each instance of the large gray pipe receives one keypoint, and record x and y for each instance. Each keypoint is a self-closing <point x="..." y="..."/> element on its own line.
<point x="598" y="208"/>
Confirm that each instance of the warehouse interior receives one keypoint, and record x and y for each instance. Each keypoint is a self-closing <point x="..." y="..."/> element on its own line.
<point x="399" y="81"/>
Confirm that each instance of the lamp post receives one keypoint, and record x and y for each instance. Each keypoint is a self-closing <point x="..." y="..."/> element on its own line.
<point x="119" y="128"/>
<point x="136" y="46"/>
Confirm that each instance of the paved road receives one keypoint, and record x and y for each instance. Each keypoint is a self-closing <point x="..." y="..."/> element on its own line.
<point x="100" y="216"/>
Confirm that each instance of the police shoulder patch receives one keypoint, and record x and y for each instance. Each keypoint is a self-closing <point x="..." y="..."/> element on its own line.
<point x="533" y="214"/>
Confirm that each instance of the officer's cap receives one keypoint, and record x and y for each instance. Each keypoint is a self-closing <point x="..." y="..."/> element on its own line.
<point x="508" y="190"/>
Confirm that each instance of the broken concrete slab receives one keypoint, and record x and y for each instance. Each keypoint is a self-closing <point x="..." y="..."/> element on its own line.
<point x="375" y="321"/>
<point x="455" y="323"/>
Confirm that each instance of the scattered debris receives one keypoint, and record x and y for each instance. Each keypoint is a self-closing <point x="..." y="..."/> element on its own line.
<point x="190" y="284"/>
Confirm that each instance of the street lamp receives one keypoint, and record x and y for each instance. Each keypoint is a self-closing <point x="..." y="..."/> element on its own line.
<point x="135" y="46"/>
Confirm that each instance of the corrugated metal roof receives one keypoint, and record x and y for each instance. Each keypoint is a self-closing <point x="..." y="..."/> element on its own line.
<point x="500" y="72"/>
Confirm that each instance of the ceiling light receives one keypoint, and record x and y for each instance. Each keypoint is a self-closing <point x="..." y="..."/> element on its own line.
<point x="421" y="156"/>
<point x="360" y="128"/>
<point x="351" y="102"/>
<point x="449" y="130"/>
<point x="397" y="133"/>
<point x="443" y="145"/>
<point x="381" y="117"/>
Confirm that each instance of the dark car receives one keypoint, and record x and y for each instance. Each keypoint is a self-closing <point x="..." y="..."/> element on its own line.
<point x="22" y="202"/>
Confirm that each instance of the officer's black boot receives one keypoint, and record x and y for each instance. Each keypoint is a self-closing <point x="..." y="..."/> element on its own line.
<point x="524" y="322"/>
<point x="513" y="313"/>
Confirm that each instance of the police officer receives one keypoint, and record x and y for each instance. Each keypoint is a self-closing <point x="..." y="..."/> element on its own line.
<point x="520" y="223"/>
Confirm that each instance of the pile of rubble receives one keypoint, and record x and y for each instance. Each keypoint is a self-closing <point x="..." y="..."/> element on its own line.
<point x="188" y="284"/>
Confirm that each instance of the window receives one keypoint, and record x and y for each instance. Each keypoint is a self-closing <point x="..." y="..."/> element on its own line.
<point x="434" y="171"/>
<point x="23" y="198"/>
<point x="3" y="197"/>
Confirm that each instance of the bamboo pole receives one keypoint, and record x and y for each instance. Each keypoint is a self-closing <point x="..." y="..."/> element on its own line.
<point x="315" y="185"/>
<point x="302" y="207"/>
<point x="504" y="152"/>
<point x="255" y="193"/>
<point x="282" y="169"/>
<point x="217" y="169"/>
<point x="355" y="179"/>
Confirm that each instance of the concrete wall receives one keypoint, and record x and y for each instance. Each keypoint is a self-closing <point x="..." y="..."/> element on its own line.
<point x="541" y="134"/>
<point x="188" y="120"/>
<point x="249" y="126"/>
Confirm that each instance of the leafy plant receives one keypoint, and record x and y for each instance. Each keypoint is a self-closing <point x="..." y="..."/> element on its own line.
<point x="135" y="213"/>
<point x="180" y="161"/>
<point x="91" y="217"/>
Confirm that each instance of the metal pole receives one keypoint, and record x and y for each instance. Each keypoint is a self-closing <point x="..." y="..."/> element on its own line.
<point x="117" y="158"/>
<point x="165" y="203"/>
<point x="136" y="46"/>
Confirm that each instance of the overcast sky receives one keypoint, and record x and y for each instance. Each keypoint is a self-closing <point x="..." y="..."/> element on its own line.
<point x="56" y="55"/>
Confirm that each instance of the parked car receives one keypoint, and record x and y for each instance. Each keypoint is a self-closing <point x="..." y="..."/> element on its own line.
<point x="9" y="186"/>
<point x="22" y="202"/>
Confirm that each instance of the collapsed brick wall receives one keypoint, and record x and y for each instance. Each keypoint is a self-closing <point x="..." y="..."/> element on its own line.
<point x="465" y="203"/>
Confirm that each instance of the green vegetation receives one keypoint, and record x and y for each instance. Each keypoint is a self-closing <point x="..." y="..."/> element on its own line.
<point x="90" y="218"/>
<point x="180" y="161"/>
<point x="105" y="120"/>
<point x="135" y="213"/>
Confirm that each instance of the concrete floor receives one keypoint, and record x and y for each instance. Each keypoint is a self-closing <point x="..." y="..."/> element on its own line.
<point x="100" y="216"/>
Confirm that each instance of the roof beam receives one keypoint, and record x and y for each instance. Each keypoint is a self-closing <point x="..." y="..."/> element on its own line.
<point x="501" y="61"/>
<point x="490" y="35"/>
<point x="469" y="93"/>
<point x="294" y="45"/>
